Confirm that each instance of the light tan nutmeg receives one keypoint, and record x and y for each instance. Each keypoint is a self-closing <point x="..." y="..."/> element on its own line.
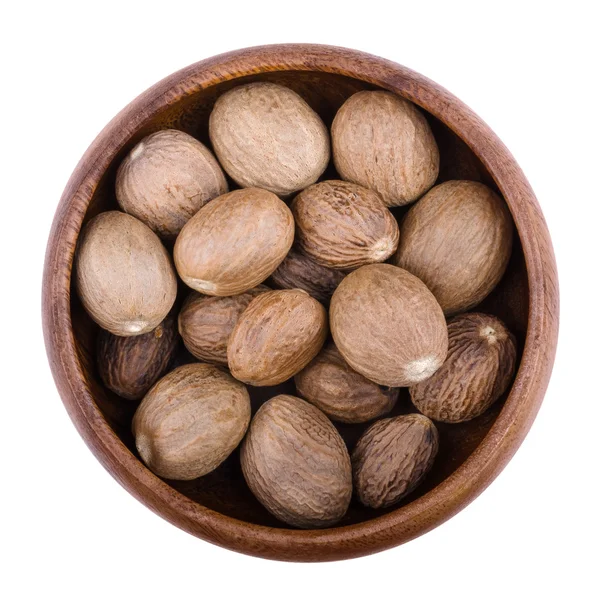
<point x="388" y="325"/>
<point x="383" y="142"/>
<point x="343" y="225"/>
<point x="266" y="136"/>
<point x="296" y="463"/>
<point x="479" y="367"/>
<point x="276" y="336"/>
<point x="124" y="275"/>
<point x="191" y="421"/>
<point x="458" y="240"/>
<point x="392" y="457"/>
<point x="299" y="271"/>
<point x="340" y="392"/>
<point x="234" y="243"/>
<point x="206" y="322"/>
<point x="166" y="179"/>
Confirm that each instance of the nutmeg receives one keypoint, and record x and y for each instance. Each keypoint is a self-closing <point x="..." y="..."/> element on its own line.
<point x="343" y="225"/>
<point x="130" y="366"/>
<point x="206" y="322"/>
<point x="299" y="271"/>
<point x="166" y="179"/>
<point x="479" y="367"/>
<point x="392" y="457"/>
<point x="383" y="142"/>
<point x="266" y="136"/>
<point x="296" y="463"/>
<point x="191" y="421"/>
<point x="124" y="275"/>
<point x="276" y="336"/>
<point x="388" y="326"/>
<point x="340" y="392"/>
<point x="234" y="243"/>
<point x="457" y="239"/>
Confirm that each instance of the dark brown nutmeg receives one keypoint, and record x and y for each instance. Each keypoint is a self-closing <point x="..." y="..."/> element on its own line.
<point x="301" y="272"/>
<point x="392" y="457"/>
<point x="206" y="322"/>
<point x="296" y="463"/>
<point x="343" y="225"/>
<point x="130" y="366"/>
<point x="340" y="392"/>
<point x="479" y="367"/>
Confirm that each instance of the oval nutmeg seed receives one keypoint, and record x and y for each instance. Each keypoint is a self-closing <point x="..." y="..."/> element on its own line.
<point x="234" y="243"/>
<point x="344" y="395"/>
<point x="479" y="367"/>
<point x="130" y="366"/>
<point x="392" y="457"/>
<point x="276" y="336"/>
<point x="457" y="239"/>
<point x="388" y="326"/>
<point x="299" y="271"/>
<point x="296" y="463"/>
<point x="191" y="421"/>
<point x="266" y="136"/>
<point x="343" y="225"/>
<point x="166" y="179"/>
<point x="206" y="322"/>
<point x="124" y="275"/>
<point x="383" y="142"/>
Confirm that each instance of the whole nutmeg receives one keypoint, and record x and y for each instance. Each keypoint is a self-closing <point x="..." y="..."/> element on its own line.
<point x="191" y="421"/>
<point x="124" y="275"/>
<point x="392" y="457"/>
<point x="457" y="239"/>
<point x="384" y="143"/>
<point x="206" y="322"/>
<point x="266" y="136"/>
<point x="296" y="463"/>
<point x="276" y="336"/>
<point x="234" y="243"/>
<point x="343" y="225"/>
<point x="299" y="271"/>
<point x="479" y="367"/>
<point x="344" y="395"/>
<point x="166" y="179"/>
<point x="130" y="366"/>
<point x="388" y="325"/>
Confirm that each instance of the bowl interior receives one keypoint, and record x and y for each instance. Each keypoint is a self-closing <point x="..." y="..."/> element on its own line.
<point x="224" y="490"/>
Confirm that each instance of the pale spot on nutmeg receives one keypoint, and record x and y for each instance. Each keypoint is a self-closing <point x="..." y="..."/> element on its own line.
<point x="137" y="151"/>
<point x="423" y="368"/>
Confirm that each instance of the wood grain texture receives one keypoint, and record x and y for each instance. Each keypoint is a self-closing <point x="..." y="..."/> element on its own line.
<point x="215" y="508"/>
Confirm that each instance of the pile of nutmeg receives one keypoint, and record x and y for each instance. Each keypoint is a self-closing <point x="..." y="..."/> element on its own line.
<point x="296" y="279"/>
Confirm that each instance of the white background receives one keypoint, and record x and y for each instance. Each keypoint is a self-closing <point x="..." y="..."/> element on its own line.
<point x="529" y="69"/>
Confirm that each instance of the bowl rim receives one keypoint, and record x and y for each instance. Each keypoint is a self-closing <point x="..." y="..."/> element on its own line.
<point x="406" y="522"/>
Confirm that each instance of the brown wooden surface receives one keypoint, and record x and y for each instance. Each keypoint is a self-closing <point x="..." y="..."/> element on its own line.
<point x="218" y="507"/>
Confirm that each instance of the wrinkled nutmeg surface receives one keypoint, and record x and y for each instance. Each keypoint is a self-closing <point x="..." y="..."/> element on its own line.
<point x="166" y="179"/>
<point x="276" y="336"/>
<point x="130" y="366"/>
<point x="206" y="322"/>
<point x="388" y="326"/>
<point x="296" y="463"/>
<point x="299" y="271"/>
<point x="266" y="136"/>
<point x="344" y="395"/>
<point x="479" y="367"/>
<point x="384" y="143"/>
<point x="343" y="225"/>
<point x="234" y="242"/>
<point x="457" y="239"/>
<point x="191" y="421"/>
<point x="392" y="457"/>
<point x="124" y="275"/>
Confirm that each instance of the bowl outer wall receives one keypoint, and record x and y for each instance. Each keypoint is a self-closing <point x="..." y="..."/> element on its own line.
<point x="407" y="522"/>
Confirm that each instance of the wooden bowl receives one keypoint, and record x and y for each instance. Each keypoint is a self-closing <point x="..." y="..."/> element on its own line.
<point x="218" y="507"/>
